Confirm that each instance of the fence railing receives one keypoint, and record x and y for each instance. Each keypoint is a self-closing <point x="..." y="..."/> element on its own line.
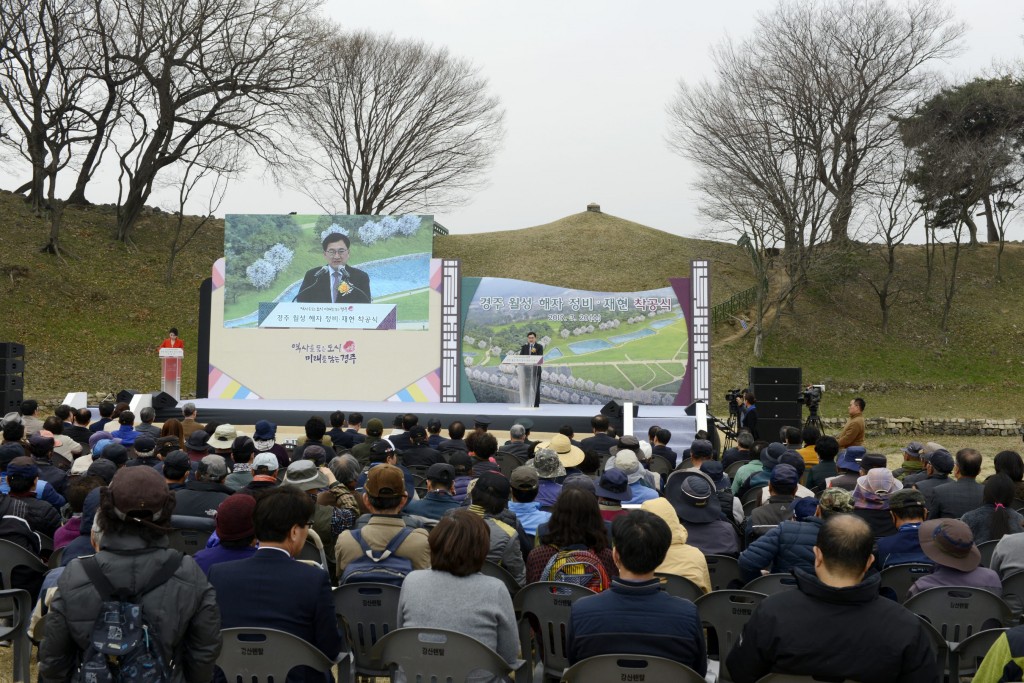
<point x="737" y="302"/>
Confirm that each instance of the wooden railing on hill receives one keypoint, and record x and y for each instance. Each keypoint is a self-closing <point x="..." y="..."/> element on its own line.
<point x="737" y="302"/>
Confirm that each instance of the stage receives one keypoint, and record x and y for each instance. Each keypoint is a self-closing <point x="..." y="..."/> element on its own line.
<point x="549" y="417"/>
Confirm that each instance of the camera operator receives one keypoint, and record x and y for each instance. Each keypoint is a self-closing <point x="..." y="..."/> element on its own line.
<point x="852" y="433"/>
<point x="748" y="413"/>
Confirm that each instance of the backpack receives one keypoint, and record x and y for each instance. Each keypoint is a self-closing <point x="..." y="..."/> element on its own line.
<point x="577" y="565"/>
<point x="385" y="566"/>
<point x="123" y="646"/>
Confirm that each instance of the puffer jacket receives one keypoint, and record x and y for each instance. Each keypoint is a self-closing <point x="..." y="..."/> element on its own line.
<point x="183" y="611"/>
<point x="789" y="545"/>
<point x="681" y="559"/>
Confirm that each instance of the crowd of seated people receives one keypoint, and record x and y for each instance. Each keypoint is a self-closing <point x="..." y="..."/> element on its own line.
<point x="609" y="512"/>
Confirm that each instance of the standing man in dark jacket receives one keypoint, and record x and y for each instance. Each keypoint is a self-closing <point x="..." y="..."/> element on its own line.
<point x="635" y="616"/>
<point x="131" y="549"/>
<point x="796" y="632"/>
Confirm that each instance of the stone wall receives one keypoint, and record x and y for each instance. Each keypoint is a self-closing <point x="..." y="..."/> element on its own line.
<point x="907" y="426"/>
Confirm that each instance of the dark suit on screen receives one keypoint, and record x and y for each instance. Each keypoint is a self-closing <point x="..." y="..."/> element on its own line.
<point x="271" y="590"/>
<point x="316" y="287"/>
<point x="538" y="350"/>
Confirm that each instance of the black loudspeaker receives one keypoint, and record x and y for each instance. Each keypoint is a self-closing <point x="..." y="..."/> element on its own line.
<point x="769" y="429"/>
<point x="775" y="376"/>
<point x="614" y="411"/>
<point x="784" y="410"/>
<point x="776" y="393"/>
<point x="12" y="350"/>
<point x="162" y="400"/>
<point x="126" y="395"/>
<point x="12" y="382"/>
<point x="11" y="366"/>
<point x="10" y="400"/>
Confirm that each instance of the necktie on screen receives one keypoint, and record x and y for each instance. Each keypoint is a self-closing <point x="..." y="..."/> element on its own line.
<point x="335" y="281"/>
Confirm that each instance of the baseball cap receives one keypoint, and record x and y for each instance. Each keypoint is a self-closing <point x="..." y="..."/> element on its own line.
<point x="441" y="472"/>
<point x="134" y="490"/>
<point x="23" y="466"/>
<point x="494" y="483"/>
<point x="178" y="460"/>
<point x="524" y="478"/>
<point x="40" y="444"/>
<point x="418" y="432"/>
<point x="384" y="480"/>
<point x="268" y="460"/>
<point x="461" y="461"/>
<point x="115" y="453"/>
<point x="214" y="466"/>
<point x="784" y="474"/>
<point x="701" y="448"/>
<point x="906" y="498"/>
<point x="941" y="461"/>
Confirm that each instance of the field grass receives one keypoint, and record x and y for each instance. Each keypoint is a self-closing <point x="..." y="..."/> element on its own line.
<point x="663" y="344"/>
<point x="94" y="321"/>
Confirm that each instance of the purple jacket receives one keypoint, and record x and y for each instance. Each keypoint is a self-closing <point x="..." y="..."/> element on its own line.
<point x="68" y="532"/>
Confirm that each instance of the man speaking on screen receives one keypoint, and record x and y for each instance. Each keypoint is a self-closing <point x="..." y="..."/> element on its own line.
<point x="336" y="282"/>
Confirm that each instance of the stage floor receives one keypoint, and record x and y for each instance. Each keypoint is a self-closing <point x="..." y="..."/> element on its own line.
<point x="289" y="413"/>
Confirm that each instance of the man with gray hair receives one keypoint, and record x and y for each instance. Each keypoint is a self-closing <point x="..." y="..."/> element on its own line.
<point x="516" y="444"/>
<point x="189" y="415"/>
<point x="147" y="415"/>
<point x="200" y="498"/>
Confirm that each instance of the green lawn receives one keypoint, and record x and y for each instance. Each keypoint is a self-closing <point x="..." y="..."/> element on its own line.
<point x="640" y="375"/>
<point x="664" y="344"/>
<point x="604" y="374"/>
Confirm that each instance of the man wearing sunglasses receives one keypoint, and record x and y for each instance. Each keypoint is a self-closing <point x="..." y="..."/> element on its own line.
<point x="336" y="281"/>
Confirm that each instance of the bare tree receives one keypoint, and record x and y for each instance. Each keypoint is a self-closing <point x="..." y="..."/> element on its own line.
<point x="41" y="81"/>
<point x="896" y="211"/>
<point x="753" y="178"/>
<point x="1006" y="206"/>
<point x="395" y="126"/>
<point x="208" y="70"/>
<point x="838" y="72"/>
<point x="211" y="172"/>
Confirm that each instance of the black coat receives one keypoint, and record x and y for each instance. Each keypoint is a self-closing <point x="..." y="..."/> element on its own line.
<point x="843" y="633"/>
<point x="316" y="287"/>
<point x="538" y="350"/>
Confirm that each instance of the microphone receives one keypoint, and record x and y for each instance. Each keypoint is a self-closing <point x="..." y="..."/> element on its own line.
<point x="316" y="278"/>
<point x="355" y="288"/>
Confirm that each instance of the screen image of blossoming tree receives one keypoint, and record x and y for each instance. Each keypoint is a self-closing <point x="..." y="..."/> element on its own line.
<point x="267" y="255"/>
<point x="597" y="345"/>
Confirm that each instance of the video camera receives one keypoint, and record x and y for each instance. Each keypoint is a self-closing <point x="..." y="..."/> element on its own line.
<point x="730" y="398"/>
<point x="811" y="396"/>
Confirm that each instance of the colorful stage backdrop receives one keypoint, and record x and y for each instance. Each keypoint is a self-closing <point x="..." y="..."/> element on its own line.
<point x="267" y="256"/>
<point x="633" y="346"/>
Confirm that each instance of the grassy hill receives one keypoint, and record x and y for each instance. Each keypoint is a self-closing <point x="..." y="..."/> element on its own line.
<point x="94" y="322"/>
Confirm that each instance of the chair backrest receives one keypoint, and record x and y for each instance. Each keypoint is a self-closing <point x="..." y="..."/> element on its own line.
<point x="753" y="494"/>
<point x="679" y="586"/>
<point x="793" y="678"/>
<point x="901" y="577"/>
<point x="661" y="466"/>
<point x="732" y="469"/>
<point x="686" y="464"/>
<point x="436" y="654"/>
<point x="1013" y="593"/>
<point x="638" y="668"/>
<point x="55" y="557"/>
<point x="546" y="606"/>
<point x="965" y="658"/>
<point x="986" y="549"/>
<point x="309" y="551"/>
<point x="45" y="543"/>
<point x="188" y="541"/>
<point x="13" y="555"/>
<point x="366" y="613"/>
<point x="15" y="613"/>
<point x="508" y="462"/>
<point x="770" y="584"/>
<point x="939" y="644"/>
<point x="727" y="611"/>
<point x="498" y="572"/>
<point x="958" y="612"/>
<point x="255" y="655"/>
<point x="723" y="570"/>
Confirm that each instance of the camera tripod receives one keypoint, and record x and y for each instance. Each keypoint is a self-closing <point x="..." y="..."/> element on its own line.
<point x="727" y="430"/>
<point x="814" y="420"/>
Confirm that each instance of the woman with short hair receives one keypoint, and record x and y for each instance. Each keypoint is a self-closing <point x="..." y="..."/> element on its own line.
<point x="454" y="595"/>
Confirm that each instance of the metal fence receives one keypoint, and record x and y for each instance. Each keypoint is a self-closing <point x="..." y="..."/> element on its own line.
<point x="737" y="302"/>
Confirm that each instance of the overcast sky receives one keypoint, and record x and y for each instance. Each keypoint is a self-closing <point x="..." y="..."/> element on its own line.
<point x="584" y="84"/>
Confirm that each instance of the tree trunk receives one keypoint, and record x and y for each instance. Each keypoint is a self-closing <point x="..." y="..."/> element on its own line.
<point x="89" y="162"/>
<point x="758" y="341"/>
<point x="972" y="227"/>
<point x="990" y="220"/>
<point x="52" y="245"/>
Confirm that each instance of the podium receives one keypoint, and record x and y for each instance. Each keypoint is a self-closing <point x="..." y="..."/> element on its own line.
<point x="528" y="372"/>
<point x="170" y="371"/>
